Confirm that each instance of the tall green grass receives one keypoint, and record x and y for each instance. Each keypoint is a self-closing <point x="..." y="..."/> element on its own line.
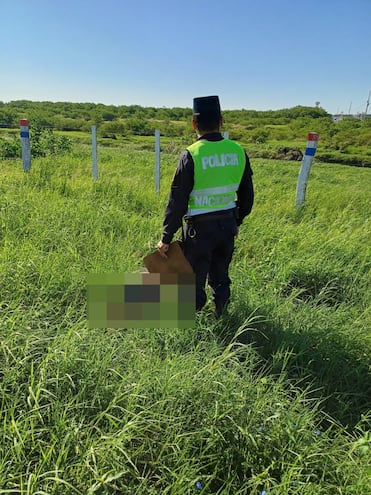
<point x="273" y="397"/>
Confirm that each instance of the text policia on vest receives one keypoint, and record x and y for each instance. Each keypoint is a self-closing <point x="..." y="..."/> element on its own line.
<point x="225" y="159"/>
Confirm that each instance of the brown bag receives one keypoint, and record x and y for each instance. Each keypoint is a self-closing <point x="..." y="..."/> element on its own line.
<point x="175" y="262"/>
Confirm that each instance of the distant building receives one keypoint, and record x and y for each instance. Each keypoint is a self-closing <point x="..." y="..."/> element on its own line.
<point x="341" y="116"/>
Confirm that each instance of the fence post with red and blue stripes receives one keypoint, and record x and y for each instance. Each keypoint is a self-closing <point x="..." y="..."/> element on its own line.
<point x="305" y="168"/>
<point x="26" y="148"/>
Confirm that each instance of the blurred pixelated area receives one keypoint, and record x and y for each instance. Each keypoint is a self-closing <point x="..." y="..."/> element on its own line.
<point x="140" y="300"/>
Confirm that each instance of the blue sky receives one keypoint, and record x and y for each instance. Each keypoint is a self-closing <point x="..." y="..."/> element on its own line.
<point x="255" y="54"/>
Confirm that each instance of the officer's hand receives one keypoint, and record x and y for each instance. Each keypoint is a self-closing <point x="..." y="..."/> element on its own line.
<point x="162" y="248"/>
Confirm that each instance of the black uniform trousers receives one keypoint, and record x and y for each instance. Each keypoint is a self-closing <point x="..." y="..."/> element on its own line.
<point x="208" y="246"/>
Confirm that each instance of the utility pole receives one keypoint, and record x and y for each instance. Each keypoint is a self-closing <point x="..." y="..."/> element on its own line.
<point x="367" y="103"/>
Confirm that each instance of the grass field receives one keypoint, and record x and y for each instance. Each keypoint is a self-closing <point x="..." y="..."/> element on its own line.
<point x="274" y="397"/>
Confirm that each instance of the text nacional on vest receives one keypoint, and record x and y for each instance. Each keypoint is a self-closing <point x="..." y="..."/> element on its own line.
<point x="213" y="201"/>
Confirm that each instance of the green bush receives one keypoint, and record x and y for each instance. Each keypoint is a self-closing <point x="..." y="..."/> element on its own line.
<point x="10" y="148"/>
<point x="259" y="135"/>
<point x="110" y="129"/>
<point x="45" y="142"/>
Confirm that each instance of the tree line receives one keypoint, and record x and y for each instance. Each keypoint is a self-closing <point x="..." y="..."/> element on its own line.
<point x="265" y="132"/>
<point x="80" y="116"/>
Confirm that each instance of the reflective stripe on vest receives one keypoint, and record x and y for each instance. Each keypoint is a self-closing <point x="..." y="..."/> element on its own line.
<point x="218" y="169"/>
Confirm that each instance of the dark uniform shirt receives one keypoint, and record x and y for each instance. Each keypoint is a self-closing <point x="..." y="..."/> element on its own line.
<point x="182" y="186"/>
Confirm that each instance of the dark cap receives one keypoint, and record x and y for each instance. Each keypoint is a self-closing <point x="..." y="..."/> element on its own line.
<point x="206" y="106"/>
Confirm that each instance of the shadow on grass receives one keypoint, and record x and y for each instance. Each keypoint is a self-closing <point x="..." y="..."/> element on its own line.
<point x="337" y="372"/>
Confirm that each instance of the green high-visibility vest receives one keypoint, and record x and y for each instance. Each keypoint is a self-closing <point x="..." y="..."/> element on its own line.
<point x="218" y="169"/>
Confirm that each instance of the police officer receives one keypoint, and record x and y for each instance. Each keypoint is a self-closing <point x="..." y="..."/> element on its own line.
<point x="212" y="189"/>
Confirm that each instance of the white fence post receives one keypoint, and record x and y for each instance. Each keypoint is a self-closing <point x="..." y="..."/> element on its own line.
<point x="305" y="168"/>
<point x="94" y="151"/>
<point x="157" y="166"/>
<point x="26" y="148"/>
